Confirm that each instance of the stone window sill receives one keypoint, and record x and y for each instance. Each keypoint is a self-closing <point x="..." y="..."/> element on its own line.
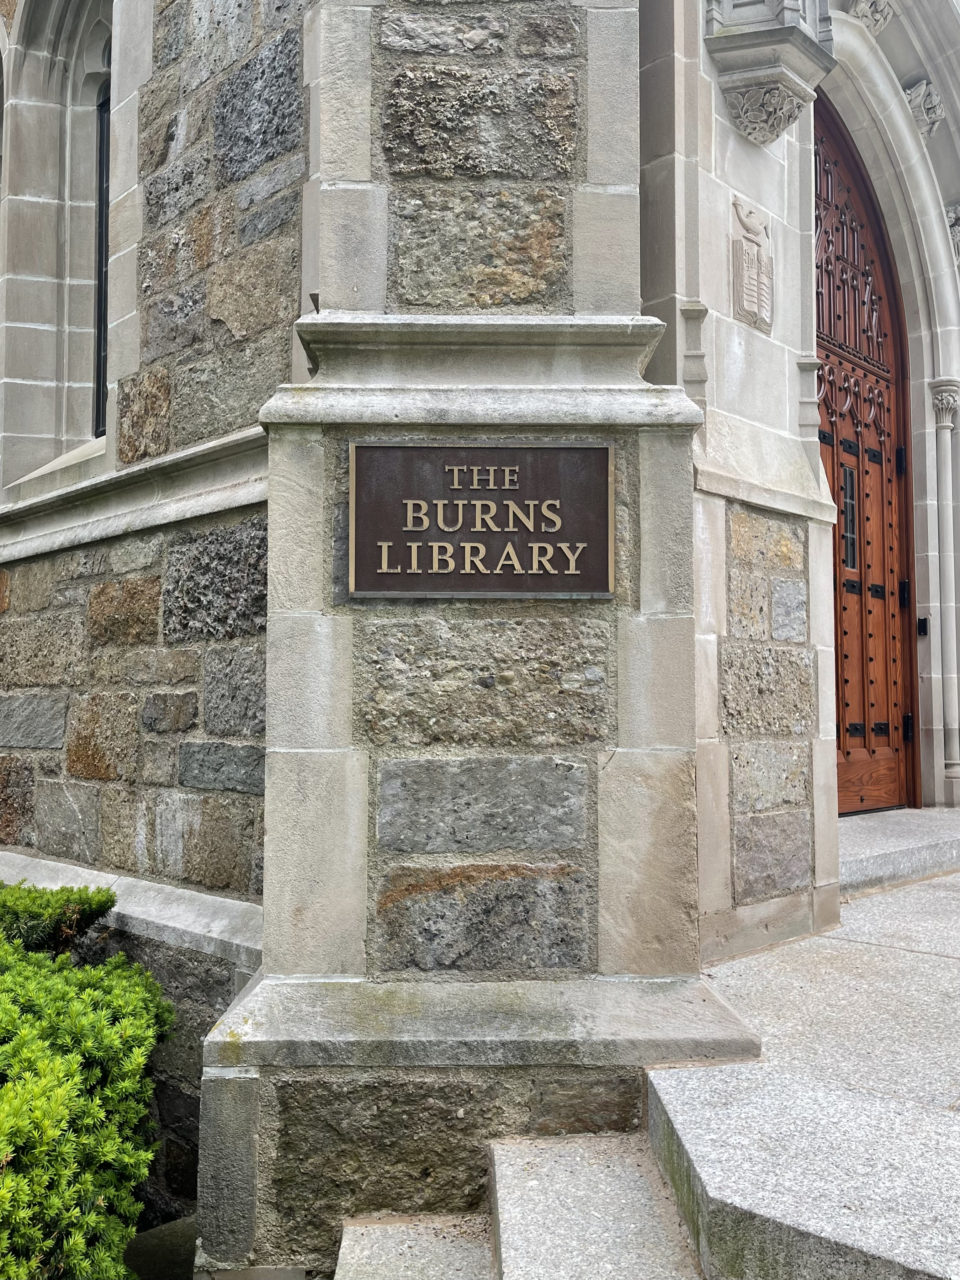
<point x="83" y="463"/>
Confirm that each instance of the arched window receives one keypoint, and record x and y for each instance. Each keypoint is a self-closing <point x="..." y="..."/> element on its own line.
<point x="54" y="195"/>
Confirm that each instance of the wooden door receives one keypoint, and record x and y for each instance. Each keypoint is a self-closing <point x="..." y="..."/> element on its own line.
<point x="864" y="443"/>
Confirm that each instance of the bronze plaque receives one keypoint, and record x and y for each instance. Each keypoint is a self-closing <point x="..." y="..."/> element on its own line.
<point x="481" y="520"/>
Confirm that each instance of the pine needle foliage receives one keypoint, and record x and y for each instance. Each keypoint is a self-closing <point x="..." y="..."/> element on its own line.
<point x="50" y="919"/>
<point x="74" y="1097"/>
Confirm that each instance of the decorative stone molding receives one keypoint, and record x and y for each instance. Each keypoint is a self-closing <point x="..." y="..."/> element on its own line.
<point x="946" y="401"/>
<point x="771" y="57"/>
<point x="953" y="221"/>
<point x="874" y="14"/>
<point x="752" y="269"/>
<point x="927" y="107"/>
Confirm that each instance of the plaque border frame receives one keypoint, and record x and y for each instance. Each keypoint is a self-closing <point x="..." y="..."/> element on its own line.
<point x="609" y="594"/>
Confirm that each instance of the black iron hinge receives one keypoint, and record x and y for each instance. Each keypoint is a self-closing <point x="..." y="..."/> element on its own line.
<point x="905" y="593"/>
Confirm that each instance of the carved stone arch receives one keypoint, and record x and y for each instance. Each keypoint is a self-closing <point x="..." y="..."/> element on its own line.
<point x="56" y="68"/>
<point x="874" y="107"/>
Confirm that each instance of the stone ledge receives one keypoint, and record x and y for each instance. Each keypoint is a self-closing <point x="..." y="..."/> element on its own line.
<point x="590" y="1022"/>
<point x="222" y="927"/>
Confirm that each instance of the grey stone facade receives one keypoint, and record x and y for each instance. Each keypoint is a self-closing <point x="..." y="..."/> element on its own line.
<point x="122" y="742"/>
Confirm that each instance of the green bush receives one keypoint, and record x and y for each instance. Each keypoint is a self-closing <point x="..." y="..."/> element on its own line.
<point x="50" y="919"/>
<point x="74" y="1095"/>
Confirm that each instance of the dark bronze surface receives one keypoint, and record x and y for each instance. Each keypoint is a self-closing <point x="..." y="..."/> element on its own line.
<point x="478" y="520"/>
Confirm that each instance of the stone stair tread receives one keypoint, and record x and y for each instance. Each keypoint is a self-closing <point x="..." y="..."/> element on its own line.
<point x="416" y="1247"/>
<point x="828" y="1181"/>
<point x="585" y="1208"/>
<point x="897" y="846"/>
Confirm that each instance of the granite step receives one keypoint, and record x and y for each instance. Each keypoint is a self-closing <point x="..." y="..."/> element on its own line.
<point x="897" y="846"/>
<point x="422" y="1247"/>
<point x="782" y="1175"/>
<point x="585" y="1208"/>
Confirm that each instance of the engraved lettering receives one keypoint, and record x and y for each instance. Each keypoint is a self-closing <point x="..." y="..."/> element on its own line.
<point x="509" y="554"/>
<point x="473" y="555"/>
<point x="419" y="514"/>
<point x="441" y="523"/>
<point x="385" y="548"/>
<point x="442" y="551"/>
<point x="491" y="474"/>
<point x="541" y="553"/>
<point x="456" y="476"/>
<point x="415" y="556"/>
<point x="527" y="519"/>
<point x="483" y="513"/>
<point x="511" y="477"/>
<point x="572" y="556"/>
<point x="551" y="515"/>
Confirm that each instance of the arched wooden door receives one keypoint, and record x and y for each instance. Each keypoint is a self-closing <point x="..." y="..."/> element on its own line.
<point x="864" y="443"/>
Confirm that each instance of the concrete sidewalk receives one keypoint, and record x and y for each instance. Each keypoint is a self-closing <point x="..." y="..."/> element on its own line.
<point x="838" y="1155"/>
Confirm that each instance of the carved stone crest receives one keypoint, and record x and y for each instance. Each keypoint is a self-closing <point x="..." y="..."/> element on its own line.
<point x="927" y="107"/>
<point x="764" y="111"/>
<point x="752" y="269"/>
<point x="874" y="14"/>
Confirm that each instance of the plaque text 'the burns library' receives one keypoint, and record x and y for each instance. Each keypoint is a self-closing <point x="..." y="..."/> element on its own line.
<point x="479" y="520"/>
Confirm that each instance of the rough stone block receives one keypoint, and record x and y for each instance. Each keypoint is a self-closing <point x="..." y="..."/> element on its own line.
<point x="485" y="248"/>
<point x="514" y="918"/>
<point x="169" y="34"/>
<point x="771" y="855"/>
<point x="102" y="737"/>
<point x="481" y="805"/>
<point x="549" y="35"/>
<point x="215" y="587"/>
<point x="765" y="691"/>
<point x="220" y="766"/>
<point x="277" y="12"/>
<point x="220" y="32"/>
<point x="33" y="720"/>
<point x="224" y="390"/>
<point x="66" y="820"/>
<point x="45" y="650"/>
<point x="179" y="250"/>
<point x="748" y="606"/>
<point x="174" y="322"/>
<point x="269" y="217"/>
<point x="127" y="830"/>
<point x="134" y="554"/>
<point x="451" y="121"/>
<point x="533" y="683"/>
<point x="761" y="543"/>
<point x="16" y="799"/>
<point x="258" y="113"/>
<point x="144" y="666"/>
<point x="210" y="840"/>
<point x="178" y="187"/>
<point x="789" y="615"/>
<point x="481" y="33"/>
<point x="769" y="775"/>
<point x="234" y="691"/>
<point x="125" y="612"/>
<point x="346" y="1142"/>
<point x="257" y="288"/>
<point x="4" y="590"/>
<point x="158" y="763"/>
<point x="170" y="712"/>
<point x="143" y="416"/>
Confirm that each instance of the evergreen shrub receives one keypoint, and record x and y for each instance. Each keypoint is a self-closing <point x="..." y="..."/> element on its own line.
<point x="50" y="919"/>
<point x="74" y="1094"/>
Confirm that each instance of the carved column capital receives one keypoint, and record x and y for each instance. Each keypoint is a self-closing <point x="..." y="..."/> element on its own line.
<point x="953" y="222"/>
<point x="946" y="401"/>
<point x="927" y="106"/>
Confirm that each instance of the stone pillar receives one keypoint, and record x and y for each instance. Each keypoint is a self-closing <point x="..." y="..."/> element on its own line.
<point x="946" y="401"/>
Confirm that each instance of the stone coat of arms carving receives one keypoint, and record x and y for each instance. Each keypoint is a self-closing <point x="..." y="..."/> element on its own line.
<point x="753" y="282"/>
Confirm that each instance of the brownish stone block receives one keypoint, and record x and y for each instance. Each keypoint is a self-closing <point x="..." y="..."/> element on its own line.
<point x="102" y="737"/>
<point x="16" y="799"/>
<point x="4" y="591"/>
<point x="125" y="612"/>
<point x="143" y="416"/>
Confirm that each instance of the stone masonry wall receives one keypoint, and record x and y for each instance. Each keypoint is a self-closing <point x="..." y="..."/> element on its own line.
<point x="222" y="135"/>
<point x="480" y="144"/>
<point x="768" y="704"/>
<point x="132" y="704"/>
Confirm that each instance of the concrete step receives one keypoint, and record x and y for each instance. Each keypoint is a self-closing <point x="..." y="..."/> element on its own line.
<point x="897" y="846"/>
<point x="585" y="1208"/>
<point x="783" y="1176"/>
<point x="427" y="1247"/>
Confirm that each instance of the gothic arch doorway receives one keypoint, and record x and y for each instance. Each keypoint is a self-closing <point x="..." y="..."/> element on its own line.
<point x="865" y="446"/>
